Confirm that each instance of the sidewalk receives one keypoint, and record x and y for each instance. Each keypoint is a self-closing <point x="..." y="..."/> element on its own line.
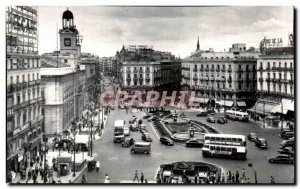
<point x="136" y="182"/>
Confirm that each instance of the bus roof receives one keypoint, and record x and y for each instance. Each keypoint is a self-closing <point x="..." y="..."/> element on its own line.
<point x="225" y="135"/>
<point x="236" y="112"/>
<point x="142" y="143"/>
<point x="119" y="123"/>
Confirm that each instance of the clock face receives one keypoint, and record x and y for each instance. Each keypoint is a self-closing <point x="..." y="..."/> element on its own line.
<point x="67" y="42"/>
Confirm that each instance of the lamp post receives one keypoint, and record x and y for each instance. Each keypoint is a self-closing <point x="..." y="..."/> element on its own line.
<point x="44" y="149"/>
<point x="254" y="171"/>
<point x="74" y="150"/>
<point x="281" y="115"/>
<point x="91" y="129"/>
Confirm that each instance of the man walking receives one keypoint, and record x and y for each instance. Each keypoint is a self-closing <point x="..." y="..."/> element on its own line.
<point x="142" y="177"/>
<point x="136" y="176"/>
<point x="272" y="180"/>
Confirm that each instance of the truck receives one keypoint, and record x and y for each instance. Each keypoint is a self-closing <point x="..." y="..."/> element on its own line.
<point x="119" y="131"/>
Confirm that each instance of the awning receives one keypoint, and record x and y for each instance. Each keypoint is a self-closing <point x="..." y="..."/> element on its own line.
<point x="29" y="133"/>
<point x="200" y="100"/>
<point x="264" y="108"/>
<point x="241" y="103"/>
<point x="284" y="107"/>
<point x="34" y="130"/>
<point x="225" y="103"/>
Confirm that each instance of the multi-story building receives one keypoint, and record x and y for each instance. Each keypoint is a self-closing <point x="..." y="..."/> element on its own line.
<point x="143" y="68"/>
<point x="68" y="76"/>
<point x="24" y="101"/>
<point x="275" y="82"/>
<point x="222" y="78"/>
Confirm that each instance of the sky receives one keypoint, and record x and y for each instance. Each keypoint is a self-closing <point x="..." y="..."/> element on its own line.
<point x="176" y="29"/>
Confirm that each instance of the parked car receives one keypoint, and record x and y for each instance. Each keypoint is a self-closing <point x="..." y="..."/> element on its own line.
<point x="146" y="137"/>
<point x="202" y="114"/>
<point x="152" y="118"/>
<point x="252" y="136"/>
<point x="134" y="127"/>
<point x="221" y="121"/>
<point x="194" y="143"/>
<point x="211" y="112"/>
<point x="146" y="116"/>
<point x="287" y="150"/>
<point x="126" y="131"/>
<point x="166" y="140"/>
<point x="261" y="143"/>
<point x="281" y="158"/>
<point x="211" y="120"/>
<point x="288" y="134"/>
<point x="225" y="119"/>
<point x="287" y="143"/>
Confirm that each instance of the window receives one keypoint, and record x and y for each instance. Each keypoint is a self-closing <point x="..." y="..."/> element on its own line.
<point x="33" y="78"/>
<point x="28" y="77"/>
<point x="128" y="75"/>
<point x="11" y="79"/>
<point x="291" y="90"/>
<point x="269" y="75"/>
<point x="268" y="65"/>
<point x="279" y="64"/>
<point x="223" y="66"/>
<point x="240" y="66"/>
<point x="279" y="75"/>
<point x="291" y="65"/>
<point x="147" y="68"/>
<point x="268" y="87"/>
<point x="285" y="89"/>
<point x="240" y="76"/>
<point x="291" y="76"/>
<point x="218" y="66"/>
<point x="229" y="85"/>
<point x="24" y="118"/>
<point x="65" y="60"/>
<point x="285" y="76"/>
<point x="141" y="75"/>
<point x="279" y="88"/>
<point x="240" y="86"/>
<point x="247" y="67"/>
<point x="274" y="75"/>
<point x="18" y="79"/>
<point x="274" y="88"/>
<point x="274" y="64"/>
<point x="285" y="65"/>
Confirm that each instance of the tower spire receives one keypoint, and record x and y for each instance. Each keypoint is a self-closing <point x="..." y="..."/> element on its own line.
<point x="198" y="44"/>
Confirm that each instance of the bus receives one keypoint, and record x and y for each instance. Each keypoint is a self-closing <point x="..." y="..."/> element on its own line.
<point x="237" y="115"/>
<point x="224" y="145"/>
<point x="119" y="131"/>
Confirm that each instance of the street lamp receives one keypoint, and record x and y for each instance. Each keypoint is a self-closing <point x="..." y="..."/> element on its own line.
<point x="254" y="171"/>
<point x="74" y="150"/>
<point x="44" y="149"/>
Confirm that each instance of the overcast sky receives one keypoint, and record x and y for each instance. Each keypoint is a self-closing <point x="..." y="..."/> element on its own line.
<point x="174" y="29"/>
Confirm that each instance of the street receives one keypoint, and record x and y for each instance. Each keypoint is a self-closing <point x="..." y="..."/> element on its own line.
<point x="120" y="164"/>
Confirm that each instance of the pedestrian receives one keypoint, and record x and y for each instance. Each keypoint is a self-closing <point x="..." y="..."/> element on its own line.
<point x="34" y="177"/>
<point x="232" y="178"/>
<point x="83" y="179"/>
<point x="146" y="181"/>
<point x="223" y="178"/>
<point x="229" y="176"/>
<point x="142" y="177"/>
<point x="272" y="180"/>
<point x="248" y="180"/>
<point x="237" y="177"/>
<point x="196" y="179"/>
<point x="243" y="174"/>
<point x="29" y="175"/>
<point x="37" y="159"/>
<point x="36" y="170"/>
<point x="136" y="176"/>
<point x="107" y="179"/>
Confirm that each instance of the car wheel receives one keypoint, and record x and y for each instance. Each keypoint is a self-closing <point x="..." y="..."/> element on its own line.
<point x="271" y="161"/>
<point x="145" y="152"/>
<point x="132" y="151"/>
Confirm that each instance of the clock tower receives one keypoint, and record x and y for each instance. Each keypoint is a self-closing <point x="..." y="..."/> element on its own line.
<point x="69" y="36"/>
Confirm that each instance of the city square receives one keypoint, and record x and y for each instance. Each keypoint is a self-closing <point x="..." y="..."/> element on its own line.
<point x="143" y="115"/>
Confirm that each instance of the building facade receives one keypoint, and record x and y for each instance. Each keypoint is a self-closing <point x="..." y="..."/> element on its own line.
<point x="275" y="83"/>
<point x="143" y="68"/>
<point x="222" y="78"/>
<point x="24" y="100"/>
<point x="68" y="77"/>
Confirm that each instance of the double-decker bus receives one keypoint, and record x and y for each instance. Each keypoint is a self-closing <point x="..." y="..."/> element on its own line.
<point x="224" y="145"/>
<point x="119" y="131"/>
<point x="237" y="115"/>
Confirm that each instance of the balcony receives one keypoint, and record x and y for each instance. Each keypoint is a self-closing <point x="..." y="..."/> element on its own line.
<point x="218" y="70"/>
<point x="274" y="80"/>
<point x="135" y="71"/>
<point x="240" y="70"/>
<point x="195" y="69"/>
<point x="212" y="79"/>
<point x="201" y="69"/>
<point x="229" y="70"/>
<point x="291" y="81"/>
<point x="229" y="80"/>
<point x="141" y="71"/>
<point x="207" y="69"/>
<point x="147" y="71"/>
<point x="268" y="69"/>
<point x="268" y="80"/>
<point x="128" y="71"/>
<point x="260" y="79"/>
<point x="212" y="69"/>
<point x="260" y="68"/>
<point x="147" y="78"/>
<point x="240" y="79"/>
<point x="223" y="69"/>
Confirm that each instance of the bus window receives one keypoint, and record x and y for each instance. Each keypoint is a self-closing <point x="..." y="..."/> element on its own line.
<point x="223" y="149"/>
<point x="218" y="148"/>
<point x="207" y="138"/>
<point x="228" y="149"/>
<point x="212" y="148"/>
<point x="223" y="139"/>
<point x="234" y="140"/>
<point x="244" y="143"/>
<point x="240" y="140"/>
<point x="218" y="139"/>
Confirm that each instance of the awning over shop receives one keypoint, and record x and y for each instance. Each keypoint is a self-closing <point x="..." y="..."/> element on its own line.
<point x="284" y="107"/>
<point x="264" y="108"/>
<point x="227" y="103"/>
<point x="200" y="100"/>
<point x="241" y="103"/>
